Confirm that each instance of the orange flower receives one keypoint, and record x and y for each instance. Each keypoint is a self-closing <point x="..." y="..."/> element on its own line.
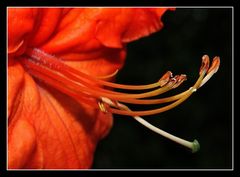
<point x="58" y="62"/>
<point x="61" y="64"/>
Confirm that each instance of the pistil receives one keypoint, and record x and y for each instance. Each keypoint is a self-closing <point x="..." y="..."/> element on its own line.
<point x="100" y="94"/>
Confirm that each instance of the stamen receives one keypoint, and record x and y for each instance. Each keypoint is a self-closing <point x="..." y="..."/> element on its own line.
<point x="215" y="65"/>
<point x="213" y="69"/>
<point x="165" y="78"/>
<point x="155" y="101"/>
<point x="79" y="96"/>
<point x="162" y="109"/>
<point x="95" y="91"/>
<point x="78" y="85"/>
<point x="55" y="63"/>
<point x="180" y="80"/>
<point x="205" y="64"/>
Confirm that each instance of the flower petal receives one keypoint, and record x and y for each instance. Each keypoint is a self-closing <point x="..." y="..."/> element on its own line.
<point x="88" y="29"/>
<point x="21" y="22"/>
<point x="21" y="143"/>
<point x="47" y="23"/>
<point x="15" y="82"/>
<point x="52" y="130"/>
<point x="125" y="25"/>
<point x="144" y="22"/>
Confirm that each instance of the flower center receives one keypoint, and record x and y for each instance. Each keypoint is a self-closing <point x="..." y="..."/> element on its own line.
<point x="100" y="94"/>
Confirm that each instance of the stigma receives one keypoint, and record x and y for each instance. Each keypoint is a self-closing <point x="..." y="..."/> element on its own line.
<point x="101" y="94"/>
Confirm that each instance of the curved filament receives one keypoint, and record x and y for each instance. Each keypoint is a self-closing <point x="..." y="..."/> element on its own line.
<point x="99" y="94"/>
<point x="84" y="87"/>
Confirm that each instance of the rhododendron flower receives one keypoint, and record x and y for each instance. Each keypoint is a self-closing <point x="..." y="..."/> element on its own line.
<point x="61" y="67"/>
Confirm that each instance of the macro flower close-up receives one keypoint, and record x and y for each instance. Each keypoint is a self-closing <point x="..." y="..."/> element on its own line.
<point x="63" y="91"/>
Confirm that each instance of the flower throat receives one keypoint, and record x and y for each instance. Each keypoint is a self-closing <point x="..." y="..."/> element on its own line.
<point x="100" y="94"/>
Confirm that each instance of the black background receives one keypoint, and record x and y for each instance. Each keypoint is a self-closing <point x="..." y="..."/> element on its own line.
<point x="188" y="34"/>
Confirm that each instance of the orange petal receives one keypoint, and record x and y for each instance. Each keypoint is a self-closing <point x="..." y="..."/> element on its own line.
<point x="15" y="82"/>
<point x="103" y="64"/>
<point x="144" y="22"/>
<point x="84" y="30"/>
<point x="46" y="25"/>
<point x="128" y="24"/>
<point x="52" y="130"/>
<point x="21" y="143"/>
<point x="21" y="22"/>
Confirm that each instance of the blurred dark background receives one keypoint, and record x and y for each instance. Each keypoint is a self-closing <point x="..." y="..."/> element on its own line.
<point x="187" y="35"/>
